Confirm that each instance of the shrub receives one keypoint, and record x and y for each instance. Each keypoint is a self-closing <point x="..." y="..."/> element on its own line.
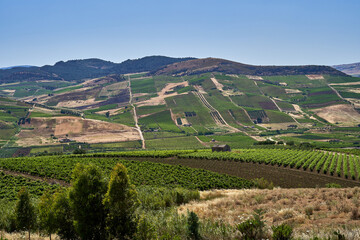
<point x="332" y="185"/>
<point x="145" y="230"/>
<point x="193" y="226"/>
<point x="309" y="211"/>
<point x="282" y="232"/>
<point x="262" y="183"/>
<point x="355" y="215"/>
<point x="253" y="228"/>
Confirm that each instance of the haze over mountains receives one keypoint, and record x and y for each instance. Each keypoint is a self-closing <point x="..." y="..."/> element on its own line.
<point x="90" y="68"/>
<point x="350" y="69"/>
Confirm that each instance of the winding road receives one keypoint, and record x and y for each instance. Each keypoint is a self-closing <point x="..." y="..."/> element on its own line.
<point x="135" y="116"/>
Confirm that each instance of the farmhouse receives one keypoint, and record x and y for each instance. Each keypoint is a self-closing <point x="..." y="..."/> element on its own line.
<point x="221" y="148"/>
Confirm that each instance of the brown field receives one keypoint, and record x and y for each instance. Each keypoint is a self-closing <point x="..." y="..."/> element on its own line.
<point x="310" y="212"/>
<point x="342" y="113"/>
<point x="254" y="77"/>
<point x="82" y="130"/>
<point x="315" y="77"/>
<point x="160" y="99"/>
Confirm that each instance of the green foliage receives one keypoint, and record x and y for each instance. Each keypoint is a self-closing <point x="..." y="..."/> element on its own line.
<point x="47" y="218"/>
<point x="24" y="211"/>
<point x="262" y="183"/>
<point x="120" y="201"/>
<point x="86" y="194"/>
<point x="282" y="232"/>
<point x="156" y="198"/>
<point x="253" y="228"/>
<point x="64" y="216"/>
<point x="7" y="216"/>
<point x="145" y="230"/>
<point x="193" y="226"/>
<point x="79" y="151"/>
<point x="10" y="186"/>
<point x="141" y="172"/>
<point x="333" y="185"/>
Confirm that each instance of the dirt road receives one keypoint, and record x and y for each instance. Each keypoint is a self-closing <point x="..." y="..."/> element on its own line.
<point x="135" y="116"/>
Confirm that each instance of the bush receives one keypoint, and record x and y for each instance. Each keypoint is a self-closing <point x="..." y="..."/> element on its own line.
<point x="332" y="185"/>
<point x="79" y="151"/>
<point x="253" y="228"/>
<point x="193" y="226"/>
<point x="262" y="183"/>
<point x="282" y="232"/>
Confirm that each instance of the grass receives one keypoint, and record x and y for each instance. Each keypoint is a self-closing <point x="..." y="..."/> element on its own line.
<point x="116" y="146"/>
<point x="188" y="142"/>
<point x="234" y="140"/>
<point x="190" y="103"/>
<point x="161" y="120"/>
<point x="143" y="86"/>
<point x="125" y="117"/>
<point x="150" y="109"/>
<point x="330" y="208"/>
<point x="278" y="117"/>
<point x="68" y="89"/>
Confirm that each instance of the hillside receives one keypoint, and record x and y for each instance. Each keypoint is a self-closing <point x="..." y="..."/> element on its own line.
<point x="198" y="66"/>
<point x="350" y="69"/>
<point x="204" y="102"/>
<point x="87" y="68"/>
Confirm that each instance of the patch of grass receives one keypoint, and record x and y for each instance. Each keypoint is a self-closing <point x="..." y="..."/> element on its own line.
<point x="125" y="117"/>
<point x="150" y="109"/>
<point x="68" y="89"/>
<point x="278" y="117"/>
<point x="143" y="86"/>
<point x="160" y="120"/>
<point x="188" y="142"/>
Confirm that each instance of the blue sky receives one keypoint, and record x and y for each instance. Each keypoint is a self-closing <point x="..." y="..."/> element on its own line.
<point x="262" y="32"/>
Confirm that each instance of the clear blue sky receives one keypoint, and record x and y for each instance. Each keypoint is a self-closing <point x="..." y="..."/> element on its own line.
<point x="266" y="32"/>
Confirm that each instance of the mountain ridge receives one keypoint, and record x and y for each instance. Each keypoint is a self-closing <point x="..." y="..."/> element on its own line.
<point x="198" y="66"/>
<point x="79" y="69"/>
<point x="350" y="69"/>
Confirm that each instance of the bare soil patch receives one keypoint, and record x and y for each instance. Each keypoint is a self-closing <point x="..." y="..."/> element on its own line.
<point x="346" y="83"/>
<point x="277" y="126"/>
<point x="164" y="93"/>
<point x="344" y="114"/>
<point x="314" y="77"/>
<point x="75" y="128"/>
<point x="254" y="77"/>
<point x="292" y="91"/>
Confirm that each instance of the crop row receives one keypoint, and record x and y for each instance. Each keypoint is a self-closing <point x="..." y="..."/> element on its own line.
<point x="10" y="186"/>
<point x="141" y="172"/>
<point x="325" y="162"/>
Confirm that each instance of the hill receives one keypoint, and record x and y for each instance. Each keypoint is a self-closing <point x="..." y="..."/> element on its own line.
<point x="198" y="66"/>
<point x="350" y="69"/>
<point x="85" y="68"/>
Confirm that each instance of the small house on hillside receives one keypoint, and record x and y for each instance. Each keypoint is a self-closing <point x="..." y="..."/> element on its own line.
<point x="221" y="148"/>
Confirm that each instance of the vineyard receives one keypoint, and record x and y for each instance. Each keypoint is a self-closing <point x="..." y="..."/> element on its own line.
<point x="141" y="172"/>
<point x="10" y="186"/>
<point x="344" y="165"/>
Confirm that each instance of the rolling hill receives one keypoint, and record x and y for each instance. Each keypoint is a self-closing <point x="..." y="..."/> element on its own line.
<point x="198" y="66"/>
<point x="174" y="103"/>
<point x="350" y="69"/>
<point x="86" y="68"/>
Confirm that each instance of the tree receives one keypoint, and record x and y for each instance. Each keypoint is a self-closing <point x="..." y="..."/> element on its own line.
<point x="107" y="114"/>
<point x="193" y="226"/>
<point x="86" y="195"/>
<point x="121" y="201"/>
<point x="47" y="214"/>
<point x="64" y="216"/>
<point x="24" y="211"/>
